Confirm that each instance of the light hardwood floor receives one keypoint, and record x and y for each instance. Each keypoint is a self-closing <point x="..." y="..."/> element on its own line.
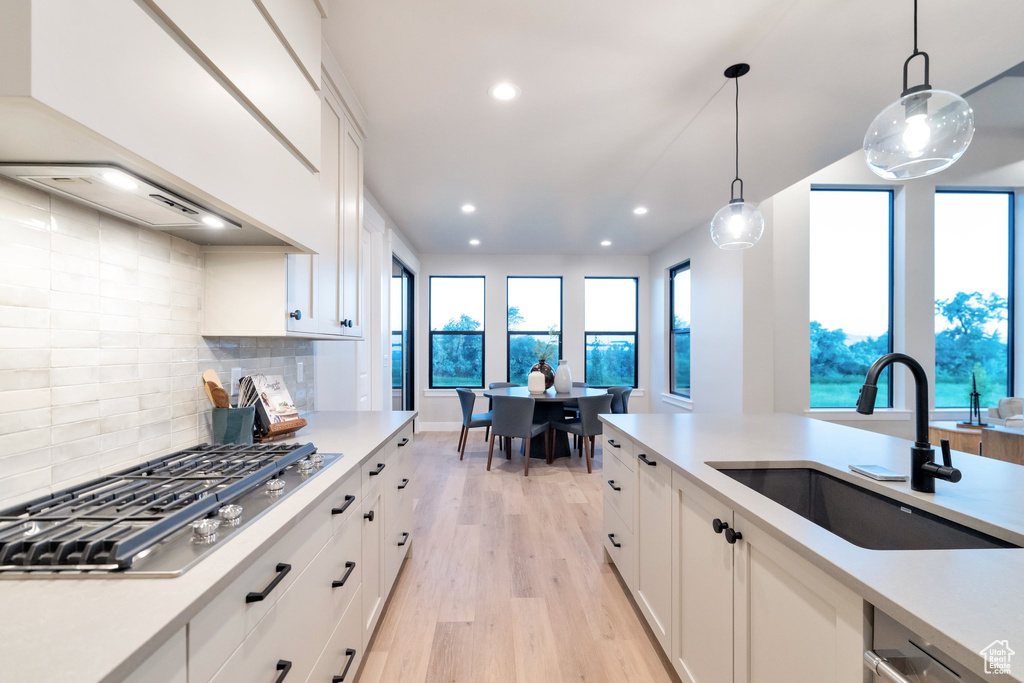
<point x="507" y="580"/>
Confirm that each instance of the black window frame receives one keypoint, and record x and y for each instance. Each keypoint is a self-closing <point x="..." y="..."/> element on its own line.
<point x="1011" y="277"/>
<point x="678" y="268"/>
<point x="528" y="333"/>
<point x="431" y="332"/>
<point x="635" y="333"/>
<point x="890" y="399"/>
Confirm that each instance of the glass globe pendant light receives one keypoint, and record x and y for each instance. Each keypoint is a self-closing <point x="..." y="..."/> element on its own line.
<point x="737" y="225"/>
<point x="923" y="132"/>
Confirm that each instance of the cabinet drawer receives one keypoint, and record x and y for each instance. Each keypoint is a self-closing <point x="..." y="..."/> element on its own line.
<point x="619" y="445"/>
<point x="374" y="471"/>
<point x="345" y="500"/>
<point x="228" y="618"/>
<point x="399" y="487"/>
<point x="397" y="544"/>
<point x="623" y="556"/>
<point x="618" y="489"/>
<point x="344" y="651"/>
<point x="344" y="564"/>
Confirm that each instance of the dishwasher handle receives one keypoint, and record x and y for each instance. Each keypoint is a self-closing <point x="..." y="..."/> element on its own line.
<point x="879" y="666"/>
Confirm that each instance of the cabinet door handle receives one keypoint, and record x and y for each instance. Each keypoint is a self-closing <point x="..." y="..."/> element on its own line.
<point x="380" y="468"/>
<point x="368" y="516"/>
<point x="731" y="536"/>
<point x="282" y="570"/>
<point x="611" y="482"/>
<point x="284" y="666"/>
<point x="403" y="442"/>
<point x="405" y="482"/>
<point x="351" y="654"/>
<point x="297" y="314"/>
<point x="718" y="525"/>
<point x="878" y="665"/>
<point x="348" y="501"/>
<point x="611" y="442"/>
<point x="611" y="537"/>
<point x="405" y="538"/>
<point x="643" y="458"/>
<point x="349" y="566"/>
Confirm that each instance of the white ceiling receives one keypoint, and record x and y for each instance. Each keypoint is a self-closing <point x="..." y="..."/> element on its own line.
<point x="623" y="104"/>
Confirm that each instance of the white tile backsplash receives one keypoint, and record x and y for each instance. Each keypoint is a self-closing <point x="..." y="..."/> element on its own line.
<point x="100" y="351"/>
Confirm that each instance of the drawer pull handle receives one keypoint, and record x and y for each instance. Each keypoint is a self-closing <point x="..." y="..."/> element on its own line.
<point x="380" y="468"/>
<point x="611" y="482"/>
<point x="718" y="525"/>
<point x="351" y="654"/>
<point x="403" y="442"/>
<point x="611" y="537"/>
<point x="643" y="457"/>
<point x="368" y="516"/>
<point x="879" y="666"/>
<point x="349" y="566"/>
<point x="348" y="501"/>
<point x="731" y="536"/>
<point x="611" y="442"/>
<point x="405" y="538"/>
<point x="405" y="482"/>
<point x="284" y="666"/>
<point x="282" y="570"/>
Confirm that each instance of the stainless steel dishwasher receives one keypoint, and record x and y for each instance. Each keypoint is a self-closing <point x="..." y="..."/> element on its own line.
<point x="901" y="656"/>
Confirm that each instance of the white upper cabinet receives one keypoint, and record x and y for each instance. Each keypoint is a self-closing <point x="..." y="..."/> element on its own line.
<point x="297" y="22"/>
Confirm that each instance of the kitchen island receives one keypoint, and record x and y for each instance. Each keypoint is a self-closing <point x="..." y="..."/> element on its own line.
<point x="960" y="601"/>
<point x="85" y="630"/>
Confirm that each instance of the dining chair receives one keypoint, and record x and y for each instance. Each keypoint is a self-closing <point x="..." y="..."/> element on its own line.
<point x="620" y="398"/>
<point x="490" y="404"/>
<point x="572" y="409"/>
<point x="513" y="419"/>
<point x="467" y="399"/>
<point x="588" y="427"/>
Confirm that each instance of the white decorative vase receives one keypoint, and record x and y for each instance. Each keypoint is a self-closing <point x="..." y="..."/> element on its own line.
<point x="563" y="378"/>
<point x="535" y="382"/>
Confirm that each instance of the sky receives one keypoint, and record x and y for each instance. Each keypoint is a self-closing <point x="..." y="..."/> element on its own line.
<point x="609" y="304"/>
<point x="539" y="301"/>
<point x="451" y="297"/>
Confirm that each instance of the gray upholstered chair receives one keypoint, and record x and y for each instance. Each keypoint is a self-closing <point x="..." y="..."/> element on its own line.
<point x="588" y="426"/>
<point x="620" y="398"/>
<point x="513" y="419"/>
<point x="572" y="409"/>
<point x="467" y="399"/>
<point x="490" y="404"/>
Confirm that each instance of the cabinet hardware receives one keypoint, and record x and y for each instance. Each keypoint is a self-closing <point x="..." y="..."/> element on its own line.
<point x="405" y="538"/>
<point x="611" y="482"/>
<point x="718" y="525"/>
<point x="405" y="482"/>
<point x="380" y="468"/>
<point x="351" y="654"/>
<point x="403" y="442"/>
<point x="611" y="442"/>
<point x="282" y="570"/>
<point x="731" y="536"/>
<point x="611" y="537"/>
<point x="284" y="666"/>
<point x="369" y="515"/>
<point x="348" y="501"/>
<point x="349" y="566"/>
<point x="297" y="314"/>
<point x="879" y="666"/>
<point x="643" y="457"/>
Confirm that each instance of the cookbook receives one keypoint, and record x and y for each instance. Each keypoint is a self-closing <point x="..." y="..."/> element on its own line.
<point x="274" y="404"/>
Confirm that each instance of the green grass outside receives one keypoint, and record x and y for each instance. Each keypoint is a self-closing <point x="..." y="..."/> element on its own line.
<point x="843" y="394"/>
<point x="448" y="382"/>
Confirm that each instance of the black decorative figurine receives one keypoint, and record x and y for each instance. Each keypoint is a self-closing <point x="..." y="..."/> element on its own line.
<point x="975" y="405"/>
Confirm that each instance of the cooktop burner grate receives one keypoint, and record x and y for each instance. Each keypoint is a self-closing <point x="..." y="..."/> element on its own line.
<point x="104" y="523"/>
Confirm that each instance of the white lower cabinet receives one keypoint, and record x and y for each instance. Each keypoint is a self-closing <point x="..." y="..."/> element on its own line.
<point x="373" y="565"/>
<point x="166" y="665"/>
<point x="653" y="532"/>
<point x="339" y="661"/>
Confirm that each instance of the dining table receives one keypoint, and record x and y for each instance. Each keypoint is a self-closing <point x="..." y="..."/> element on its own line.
<point x="549" y="407"/>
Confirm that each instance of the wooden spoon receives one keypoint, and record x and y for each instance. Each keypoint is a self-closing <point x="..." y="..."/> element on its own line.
<point x="219" y="397"/>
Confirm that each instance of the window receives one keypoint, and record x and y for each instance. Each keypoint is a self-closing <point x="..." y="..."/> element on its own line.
<point x="850" y="293"/>
<point x="679" y="340"/>
<point x="457" y="332"/>
<point x="973" y="297"/>
<point x="610" y="324"/>
<point x="534" y="324"/>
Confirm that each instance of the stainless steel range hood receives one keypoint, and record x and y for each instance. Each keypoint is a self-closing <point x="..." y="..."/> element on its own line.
<point x="120" y="192"/>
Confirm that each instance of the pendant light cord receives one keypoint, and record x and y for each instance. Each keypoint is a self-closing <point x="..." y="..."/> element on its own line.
<point x="737" y="179"/>
<point x="915" y="28"/>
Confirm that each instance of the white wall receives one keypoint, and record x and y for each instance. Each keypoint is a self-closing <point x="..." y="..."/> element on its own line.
<point x="440" y="408"/>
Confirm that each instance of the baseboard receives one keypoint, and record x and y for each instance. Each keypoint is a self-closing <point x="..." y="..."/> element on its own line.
<point x="440" y="426"/>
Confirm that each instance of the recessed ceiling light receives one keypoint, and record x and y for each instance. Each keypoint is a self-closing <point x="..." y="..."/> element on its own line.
<point x="468" y="208"/>
<point x="504" y="91"/>
<point x="606" y="243"/>
<point x="640" y="210"/>
<point x="475" y="242"/>
<point x="118" y="179"/>
<point x="213" y="221"/>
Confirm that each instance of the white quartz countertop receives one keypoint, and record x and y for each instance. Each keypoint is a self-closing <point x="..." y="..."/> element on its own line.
<point x="99" y="630"/>
<point x="960" y="600"/>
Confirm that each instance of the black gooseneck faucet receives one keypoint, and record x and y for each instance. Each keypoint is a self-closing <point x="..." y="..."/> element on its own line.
<point x="923" y="468"/>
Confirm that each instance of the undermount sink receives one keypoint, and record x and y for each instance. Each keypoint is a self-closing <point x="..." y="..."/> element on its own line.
<point x="862" y="517"/>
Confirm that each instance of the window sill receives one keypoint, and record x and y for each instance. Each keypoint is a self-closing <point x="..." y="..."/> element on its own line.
<point x="677" y="401"/>
<point x="449" y="392"/>
<point x="851" y="415"/>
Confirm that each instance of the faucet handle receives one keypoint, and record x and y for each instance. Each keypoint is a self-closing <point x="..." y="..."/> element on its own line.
<point x="947" y="457"/>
